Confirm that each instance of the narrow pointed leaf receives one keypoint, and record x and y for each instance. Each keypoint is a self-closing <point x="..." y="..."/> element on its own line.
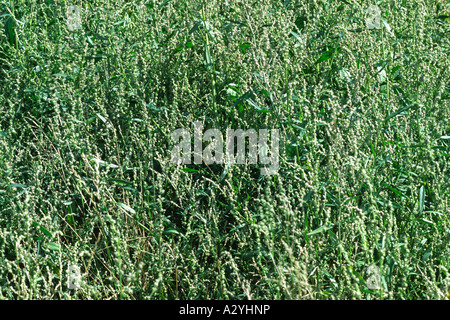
<point x="126" y="208"/>
<point x="421" y="198"/>
<point x="321" y="229"/>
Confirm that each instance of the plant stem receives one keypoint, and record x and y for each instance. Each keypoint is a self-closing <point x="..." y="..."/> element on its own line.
<point x="210" y="68"/>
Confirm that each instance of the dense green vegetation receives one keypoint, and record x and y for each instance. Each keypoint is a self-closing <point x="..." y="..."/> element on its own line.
<point x="86" y="176"/>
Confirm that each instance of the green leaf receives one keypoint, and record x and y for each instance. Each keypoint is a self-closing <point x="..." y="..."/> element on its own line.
<point x="297" y="36"/>
<point x="425" y="221"/>
<point x="256" y="106"/>
<point x="42" y="229"/>
<point x="98" y="36"/>
<point x="395" y="72"/>
<point x="238" y="227"/>
<point x="169" y="231"/>
<point x="401" y="110"/>
<point x="208" y="60"/>
<point x="388" y="28"/>
<point x="17" y="185"/>
<point x="101" y="117"/>
<point x="244" y="47"/>
<point x="325" y="56"/>
<point x="90" y="40"/>
<point x="10" y="30"/>
<point x="244" y="97"/>
<point x="53" y="246"/>
<point x="421" y="198"/>
<point x="308" y="195"/>
<point x="426" y="255"/>
<point x="119" y="181"/>
<point x="323" y="228"/>
<point x="130" y="189"/>
<point x="330" y="277"/>
<point x="125" y="207"/>
<point x="195" y="27"/>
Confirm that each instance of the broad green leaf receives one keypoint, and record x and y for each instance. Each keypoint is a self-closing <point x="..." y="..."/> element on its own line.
<point x="425" y="221"/>
<point x="171" y="231"/>
<point x="297" y="36"/>
<point x="421" y="198"/>
<point x="426" y="255"/>
<point x="401" y="110"/>
<point x="308" y="195"/>
<point x="125" y="207"/>
<point x="129" y="188"/>
<point x="238" y="227"/>
<point x="443" y="17"/>
<point x="10" y="30"/>
<point x="255" y="105"/>
<point x="325" y="56"/>
<point x="259" y="77"/>
<point x="101" y="117"/>
<point x="323" y="228"/>
<point x="53" y="246"/>
<point x="17" y="185"/>
<point x="208" y="60"/>
<point x="90" y="40"/>
<point x="388" y="28"/>
<point x="42" y="229"/>
<point x="244" y="47"/>
<point x="244" y="97"/>
<point x="330" y="277"/>
<point x="195" y="27"/>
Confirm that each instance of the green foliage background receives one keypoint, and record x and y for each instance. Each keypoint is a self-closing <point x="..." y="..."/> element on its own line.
<point x="85" y="170"/>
